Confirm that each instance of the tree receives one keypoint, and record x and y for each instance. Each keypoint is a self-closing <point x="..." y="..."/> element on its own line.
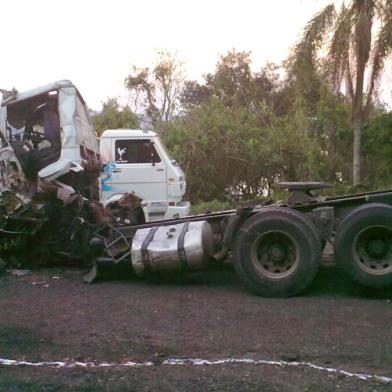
<point x="113" y="116"/>
<point x="378" y="151"/>
<point x="157" y="91"/>
<point x="354" y="51"/>
<point x="194" y="94"/>
<point x="237" y="136"/>
<point x="228" y="153"/>
<point x="235" y="85"/>
<point x="232" y="82"/>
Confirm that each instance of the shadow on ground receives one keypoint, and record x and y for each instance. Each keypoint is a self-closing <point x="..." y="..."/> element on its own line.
<point x="330" y="280"/>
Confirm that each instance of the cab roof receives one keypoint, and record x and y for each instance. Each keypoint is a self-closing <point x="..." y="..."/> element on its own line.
<point x="21" y="96"/>
<point x="124" y="132"/>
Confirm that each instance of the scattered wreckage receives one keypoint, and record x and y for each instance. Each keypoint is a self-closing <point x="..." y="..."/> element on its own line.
<point x="49" y="202"/>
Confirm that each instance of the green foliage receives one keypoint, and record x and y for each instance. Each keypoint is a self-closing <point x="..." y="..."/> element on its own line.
<point x="113" y="116"/>
<point x="240" y="132"/>
<point x="232" y="82"/>
<point x="210" y="206"/>
<point x="227" y="154"/>
<point x="358" y="41"/>
<point x="377" y="149"/>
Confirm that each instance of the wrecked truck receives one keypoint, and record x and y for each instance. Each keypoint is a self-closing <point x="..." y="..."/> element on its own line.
<point x="49" y="179"/>
<point x="46" y="134"/>
<point x="48" y="194"/>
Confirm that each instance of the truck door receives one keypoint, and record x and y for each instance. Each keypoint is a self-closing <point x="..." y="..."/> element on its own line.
<point x="140" y="169"/>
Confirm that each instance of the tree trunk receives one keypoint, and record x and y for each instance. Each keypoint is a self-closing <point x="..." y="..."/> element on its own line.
<point x="363" y="39"/>
<point x="357" y="151"/>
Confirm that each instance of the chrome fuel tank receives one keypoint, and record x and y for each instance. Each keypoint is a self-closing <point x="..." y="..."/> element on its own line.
<point x="185" y="246"/>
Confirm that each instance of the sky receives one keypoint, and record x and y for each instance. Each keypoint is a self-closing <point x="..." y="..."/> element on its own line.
<point x="95" y="43"/>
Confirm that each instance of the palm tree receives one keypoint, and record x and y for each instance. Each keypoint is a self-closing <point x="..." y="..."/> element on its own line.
<point x="357" y="40"/>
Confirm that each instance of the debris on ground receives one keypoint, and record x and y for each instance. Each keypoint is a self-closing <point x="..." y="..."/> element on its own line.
<point x="20" y="272"/>
<point x="43" y="284"/>
<point x="44" y="231"/>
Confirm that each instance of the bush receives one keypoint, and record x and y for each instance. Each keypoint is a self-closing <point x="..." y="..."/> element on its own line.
<point x="210" y="206"/>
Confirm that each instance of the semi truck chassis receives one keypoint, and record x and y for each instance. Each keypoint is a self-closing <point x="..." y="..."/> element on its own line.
<point x="276" y="247"/>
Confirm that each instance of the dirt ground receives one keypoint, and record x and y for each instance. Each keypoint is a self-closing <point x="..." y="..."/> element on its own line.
<point x="51" y="315"/>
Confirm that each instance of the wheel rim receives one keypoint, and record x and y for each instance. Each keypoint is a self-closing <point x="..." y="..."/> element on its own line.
<point x="372" y="248"/>
<point x="275" y="254"/>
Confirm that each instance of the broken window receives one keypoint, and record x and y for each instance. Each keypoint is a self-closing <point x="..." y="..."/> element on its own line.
<point x="3" y="142"/>
<point x="33" y="130"/>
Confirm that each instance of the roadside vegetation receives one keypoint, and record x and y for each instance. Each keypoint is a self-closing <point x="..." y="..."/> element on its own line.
<point x="242" y="129"/>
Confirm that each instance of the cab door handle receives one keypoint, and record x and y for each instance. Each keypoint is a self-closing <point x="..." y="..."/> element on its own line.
<point x="159" y="169"/>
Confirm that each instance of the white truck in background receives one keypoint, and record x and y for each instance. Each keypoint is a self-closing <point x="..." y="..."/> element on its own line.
<point x="136" y="161"/>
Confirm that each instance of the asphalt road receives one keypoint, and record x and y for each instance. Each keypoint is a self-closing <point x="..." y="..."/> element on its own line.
<point x="51" y="316"/>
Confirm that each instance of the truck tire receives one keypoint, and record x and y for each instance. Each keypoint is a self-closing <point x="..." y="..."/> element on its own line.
<point x="277" y="252"/>
<point x="363" y="245"/>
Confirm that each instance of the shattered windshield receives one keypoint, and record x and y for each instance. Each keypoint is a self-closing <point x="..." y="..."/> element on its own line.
<point x="33" y="131"/>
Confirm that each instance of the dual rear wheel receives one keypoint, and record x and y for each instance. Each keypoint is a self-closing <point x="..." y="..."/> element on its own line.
<point x="363" y="245"/>
<point x="278" y="251"/>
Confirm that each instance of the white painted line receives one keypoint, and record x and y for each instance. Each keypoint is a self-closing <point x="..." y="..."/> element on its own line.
<point x="72" y="364"/>
<point x="196" y="362"/>
<point x="200" y="362"/>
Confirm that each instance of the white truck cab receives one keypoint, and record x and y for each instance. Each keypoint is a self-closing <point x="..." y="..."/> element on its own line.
<point x="136" y="161"/>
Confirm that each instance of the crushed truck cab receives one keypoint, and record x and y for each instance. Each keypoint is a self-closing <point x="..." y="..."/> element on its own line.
<point x="50" y="164"/>
<point x="47" y="138"/>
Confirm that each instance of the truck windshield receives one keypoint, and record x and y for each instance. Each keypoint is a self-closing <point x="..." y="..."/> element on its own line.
<point x="163" y="148"/>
